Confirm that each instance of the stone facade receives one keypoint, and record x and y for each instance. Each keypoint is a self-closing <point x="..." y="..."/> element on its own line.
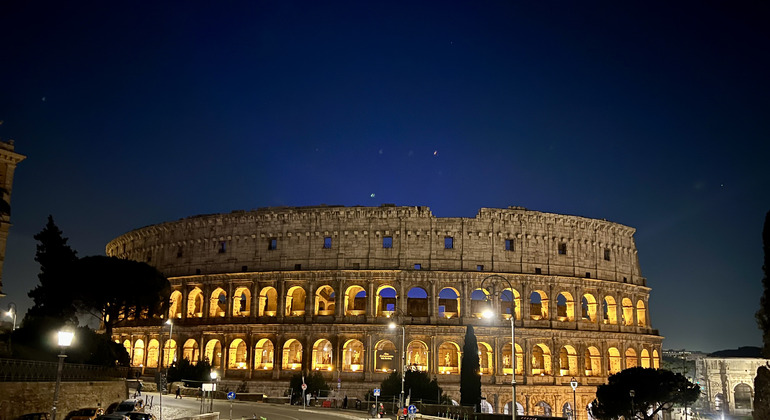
<point x="729" y="383"/>
<point x="17" y="398"/>
<point x="267" y="293"/>
<point x="8" y="161"/>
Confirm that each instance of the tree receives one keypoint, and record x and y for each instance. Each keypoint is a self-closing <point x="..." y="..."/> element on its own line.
<point x="185" y="370"/>
<point x="653" y="390"/>
<point x="762" y="380"/>
<point x="417" y="384"/>
<point x="315" y="383"/>
<point x="115" y="290"/>
<point x="470" y="380"/>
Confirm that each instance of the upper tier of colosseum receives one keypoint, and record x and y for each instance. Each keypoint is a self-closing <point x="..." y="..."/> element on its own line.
<point x="513" y="240"/>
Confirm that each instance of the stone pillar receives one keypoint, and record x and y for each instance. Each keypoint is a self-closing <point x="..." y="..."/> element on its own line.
<point x="184" y="302"/>
<point x="310" y="301"/>
<point x="278" y="355"/>
<point x="280" y="309"/>
<point x="369" y="359"/>
<point x="206" y="294"/>
<point x="230" y="300"/>
<point x="371" y="299"/>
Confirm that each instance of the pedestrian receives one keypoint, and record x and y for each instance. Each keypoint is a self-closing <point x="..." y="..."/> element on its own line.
<point x="178" y="392"/>
<point x="345" y="402"/>
<point x="139" y="389"/>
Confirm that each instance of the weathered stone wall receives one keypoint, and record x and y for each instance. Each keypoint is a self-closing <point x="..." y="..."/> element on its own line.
<point x="17" y="398"/>
<point x="723" y="375"/>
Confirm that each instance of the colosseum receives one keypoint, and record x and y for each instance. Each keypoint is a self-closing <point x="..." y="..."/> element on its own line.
<point x="267" y="293"/>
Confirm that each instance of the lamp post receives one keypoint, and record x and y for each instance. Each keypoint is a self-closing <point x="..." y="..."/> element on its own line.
<point x="403" y="365"/>
<point x="164" y="376"/>
<point x="213" y="388"/>
<point x="488" y="314"/>
<point x="12" y="313"/>
<point x="574" y="384"/>
<point x="632" y="393"/>
<point x="65" y="340"/>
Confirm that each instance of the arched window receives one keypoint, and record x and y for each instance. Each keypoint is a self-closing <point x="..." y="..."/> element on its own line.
<point x="195" y="303"/>
<point x="538" y="305"/>
<point x="486" y="359"/>
<point x="543" y="409"/>
<point x="263" y="355"/>
<point x="588" y="308"/>
<point x="565" y="307"/>
<point x="295" y="301"/>
<point x="127" y="346"/>
<point x="322" y="355"/>
<point x="353" y="356"/>
<point x="268" y="302"/>
<point x="237" y="356"/>
<point x="479" y="302"/>
<point x="614" y="361"/>
<point x="386" y="301"/>
<point x="568" y="361"/>
<point x="175" y="305"/>
<point x="152" y="353"/>
<point x="628" y="312"/>
<point x="645" y="358"/>
<point x="386" y="358"/>
<point x="417" y="356"/>
<point x="448" y="303"/>
<point x="218" y="305"/>
<point x="610" y="310"/>
<point x="506" y="296"/>
<point x="541" y="360"/>
<point x="743" y="397"/>
<point x="519" y="409"/>
<point x="138" y="359"/>
<point x="655" y="360"/>
<point x="449" y="358"/>
<point x="169" y="353"/>
<point x="593" y="362"/>
<point x="242" y="302"/>
<point x="417" y="302"/>
<point x="324" y="300"/>
<point x="190" y="351"/>
<point x="214" y="353"/>
<point x="631" y="360"/>
<point x="292" y="355"/>
<point x="508" y="361"/>
<point x="355" y="301"/>
<point x="641" y="314"/>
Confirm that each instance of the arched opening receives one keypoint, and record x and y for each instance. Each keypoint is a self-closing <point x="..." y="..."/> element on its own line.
<point x="610" y="310"/>
<point x="242" y="302"/>
<point x="614" y="361"/>
<point x="386" y="301"/>
<point x="593" y="362"/>
<point x="195" y="303"/>
<point x="138" y="359"/>
<point x="509" y="364"/>
<point x="169" y="353"/>
<point x="353" y="356"/>
<point x="214" y="353"/>
<point x="631" y="360"/>
<point x="237" y="356"/>
<point x="292" y="355"/>
<point x="519" y="409"/>
<point x="486" y="359"/>
<point x="218" y="303"/>
<point x="538" y="305"/>
<point x="264" y="355"/>
<point x="588" y="308"/>
<point x="541" y="360"/>
<point x="417" y="302"/>
<point x="719" y="401"/>
<point x="295" y="301"/>
<point x="324" y="300"/>
<point x="417" y="356"/>
<point x="641" y="314"/>
<point x="645" y="358"/>
<point x="543" y="409"/>
<point x="190" y="351"/>
<point x="127" y="346"/>
<point x="655" y="360"/>
<point x="479" y="302"/>
<point x="449" y="303"/>
<point x="568" y="361"/>
<point x="507" y="297"/>
<point x="322" y="355"/>
<point x="385" y="356"/>
<point x="565" y="307"/>
<point x="566" y="411"/>
<point x="355" y="301"/>
<point x="152" y="353"/>
<point x="268" y="302"/>
<point x="449" y="358"/>
<point x="175" y="305"/>
<point x="628" y="312"/>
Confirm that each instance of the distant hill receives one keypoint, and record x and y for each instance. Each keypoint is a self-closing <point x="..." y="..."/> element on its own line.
<point x="747" y="351"/>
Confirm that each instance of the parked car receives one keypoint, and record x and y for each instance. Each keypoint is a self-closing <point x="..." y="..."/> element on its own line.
<point x="138" y="415"/>
<point x="90" y="413"/>
<point x="34" y="416"/>
<point x="128" y="406"/>
<point x="113" y="416"/>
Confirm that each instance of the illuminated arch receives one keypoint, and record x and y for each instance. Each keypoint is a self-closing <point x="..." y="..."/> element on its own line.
<point x="386" y="357"/>
<point x="541" y="360"/>
<point x="292" y="355"/>
<point x="655" y="360"/>
<point x="127" y="346"/>
<point x="322" y="355"/>
<point x="538" y="305"/>
<point x="610" y="310"/>
<point x="505" y="303"/>
<point x="237" y="355"/>
<point x="152" y="353"/>
<point x="568" y="364"/>
<point x="385" y="301"/>
<point x="613" y="361"/>
<point x="242" y="302"/>
<point x="190" y="351"/>
<point x="295" y="301"/>
<point x="264" y="355"/>
<point x="449" y="358"/>
<point x="588" y="308"/>
<point x="138" y="357"/>
<point x="565" y="307"/>
<point x="195" y="303"/>
<point x="645" y="358"/>
<point x="543" y="409"/>
<point x="218" y="303"/>
<point x="268" y="302"/>
<point x="508" y="361"/>
<point x="324" y="300"/>
<point x="641" y="314"/>
<point x="631" y="360"/>
<point x="593" y="361"/>
<point x="628" y="312"/>
<point x="417" y="302"/>
<point x="175" y="305"/>
<point x="479" y="302"/>
<point x="355" y="301"/>
<point x="486" y="359"/>
<point x="417" y="355"/>
<point x="449" y="303"/>
<point x="353" y="356"/>
<point x="213" y="353"/>
<point x="169" y="352"/>
<point x="743" y="396"/>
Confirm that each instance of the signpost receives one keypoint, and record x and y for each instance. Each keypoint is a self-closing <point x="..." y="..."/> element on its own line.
<point x="231" y="397"/>
<point x="304" y="388"/>
<point x="376" y="405"/>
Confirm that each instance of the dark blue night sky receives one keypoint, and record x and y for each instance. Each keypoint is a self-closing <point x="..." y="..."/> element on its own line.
<point x="643" y="113"/>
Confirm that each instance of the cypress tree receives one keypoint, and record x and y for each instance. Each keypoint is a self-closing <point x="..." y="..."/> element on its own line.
<point x="762" y="380"/>
<point x="470" y="380"/>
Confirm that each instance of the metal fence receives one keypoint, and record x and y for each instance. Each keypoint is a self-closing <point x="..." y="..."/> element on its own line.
<point x="14" y="370"/>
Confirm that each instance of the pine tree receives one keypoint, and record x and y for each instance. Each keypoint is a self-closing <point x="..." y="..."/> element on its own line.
<point x="51" y="297"/>
<point x="762" y="380"/>
<point x="470" y="380"/>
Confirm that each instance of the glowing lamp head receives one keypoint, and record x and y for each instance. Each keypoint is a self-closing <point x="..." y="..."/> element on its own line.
<point x="392" y="325"/>
<point x="168" y="321"/>
<point x="65" y="338"/>
<point x="488" y="313"/>
<point x="213" y="375"/>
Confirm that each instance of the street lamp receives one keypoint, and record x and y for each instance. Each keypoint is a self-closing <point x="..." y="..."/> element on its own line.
<point x="213" y="382"/>
<point x="574" y="384"/>
<point x="393" y="326"/>
<point x="164" y="377"/>
<point x="12" y="313"/>
<point x="632" y="394"/>
<point x="488" y="314"/>
<point x="65" y="340"/>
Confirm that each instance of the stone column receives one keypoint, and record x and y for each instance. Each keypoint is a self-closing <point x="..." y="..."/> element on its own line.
<point x="185" y="292"/>
<point x="230" y="300"/>
<point x="206" y="294"/>
<point x="280" y="310"/>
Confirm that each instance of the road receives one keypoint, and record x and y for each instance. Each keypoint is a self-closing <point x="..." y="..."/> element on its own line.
<point x="187" y="406"/>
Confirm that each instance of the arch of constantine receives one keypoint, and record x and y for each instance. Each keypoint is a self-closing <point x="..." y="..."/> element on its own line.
<point x="267" y="293"/>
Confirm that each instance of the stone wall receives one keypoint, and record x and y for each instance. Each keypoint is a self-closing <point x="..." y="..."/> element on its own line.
<point x="17" y="398"/>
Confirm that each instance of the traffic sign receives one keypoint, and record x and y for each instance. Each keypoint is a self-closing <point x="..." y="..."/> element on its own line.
<point x="376" y="392"/>
<point x="231" y="395"/>
<point x="304" y="387"/>
<point x="412" y="409"/>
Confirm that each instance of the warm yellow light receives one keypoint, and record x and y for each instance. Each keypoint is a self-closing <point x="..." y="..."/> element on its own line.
<point x="65" y="338"/>
<point x="488" y="313"/>
<point x="392" y="325"/>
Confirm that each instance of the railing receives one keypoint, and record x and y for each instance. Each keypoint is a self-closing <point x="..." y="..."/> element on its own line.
<point x="14" y="370"/>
